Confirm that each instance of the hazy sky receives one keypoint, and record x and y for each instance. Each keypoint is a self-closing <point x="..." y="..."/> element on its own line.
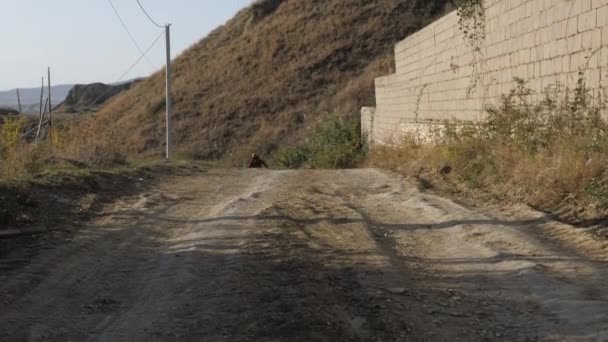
<point x="83" y="41"/>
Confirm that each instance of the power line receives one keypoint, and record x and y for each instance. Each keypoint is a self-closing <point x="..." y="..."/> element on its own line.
<point x="131" y="67"/>
<point x="147" y="15"/>
<point x="130" y="35"/>
<point x="143" y="55"/>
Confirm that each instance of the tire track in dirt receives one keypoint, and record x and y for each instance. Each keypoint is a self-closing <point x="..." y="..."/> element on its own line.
<point x="525" y="259"/>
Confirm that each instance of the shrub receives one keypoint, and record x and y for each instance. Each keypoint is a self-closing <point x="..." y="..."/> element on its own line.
<point x="336" y="144"/>
<point x="294" y="157"/>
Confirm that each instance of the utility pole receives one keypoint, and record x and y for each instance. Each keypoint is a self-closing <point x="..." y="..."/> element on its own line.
<point x="19" y="100"/>
<point x="169" y="114"/>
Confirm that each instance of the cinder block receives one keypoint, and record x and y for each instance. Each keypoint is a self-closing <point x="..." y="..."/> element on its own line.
<point x="531" y="7"/>
<point x="551" y="15"/>
<point x="603" y="63"/>
<point x="527" y="40"/>
<point x="566" y="63"/>
<point x="575" y="43"/>
<point x="562" y="47"/>
<point x="602" y="16"/>
<point x="596" y="38"/>
<point x="524" y="56"/>
<point x="572" y="26"/>
<point x="548" y="50"/>
<point x="557" y="65"/>
<point x="598" y="3"/>
<point x="592" y="39"/>
<point x="593" y="59"/>
<point x="546" y="67"/>
<point x="560" y="29"/>
<point x="535" y="54"/>
<point x="522" y="71"/>
<point x="592" y="78"/>
<point x="580" y="6"/>
<point x="587" y="20"/>
<point x="530" y="71"/>
<point x="547" y="35"/>
<point x="562" y="12"/>
<point x="577" y="61"/>
<point x="514" y="3"/>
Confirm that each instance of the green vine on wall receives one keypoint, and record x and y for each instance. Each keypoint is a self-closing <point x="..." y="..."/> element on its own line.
<point x="472" y="21"/>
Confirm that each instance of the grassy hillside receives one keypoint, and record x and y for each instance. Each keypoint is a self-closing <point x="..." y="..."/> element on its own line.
<point x="268" y="75"/>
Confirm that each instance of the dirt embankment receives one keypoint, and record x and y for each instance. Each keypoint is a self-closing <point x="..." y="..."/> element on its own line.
<point x="361" y="255"/>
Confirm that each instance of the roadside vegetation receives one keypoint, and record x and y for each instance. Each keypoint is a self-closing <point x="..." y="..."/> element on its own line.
<point x="60" y="176"/>
<point x="552" y="154"/>
<point x="18" y="159"/>
<point x="336" y="144"/>
<point x="66" y="146"/>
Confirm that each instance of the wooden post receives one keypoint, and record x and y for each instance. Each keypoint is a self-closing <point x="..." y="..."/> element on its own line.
<point x="40" y="123"/>
<point x="41" y="95"/>
<point x="19" y="101"/>
<point x="50" y="107"/>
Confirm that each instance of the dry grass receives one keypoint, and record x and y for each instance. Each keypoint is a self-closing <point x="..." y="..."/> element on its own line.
<point x="18" y="159"/>
<point x="63" y="148"/>
<point x="552" y="155"/>
<point x="267" y="77"/>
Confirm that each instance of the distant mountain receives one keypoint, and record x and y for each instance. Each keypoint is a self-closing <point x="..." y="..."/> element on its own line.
<point x="87" y="97"/>
<point x="8" y="111"/>
<point x="30" y="97"/>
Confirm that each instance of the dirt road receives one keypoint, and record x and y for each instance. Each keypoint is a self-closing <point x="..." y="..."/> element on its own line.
<point x="354" y="255"/>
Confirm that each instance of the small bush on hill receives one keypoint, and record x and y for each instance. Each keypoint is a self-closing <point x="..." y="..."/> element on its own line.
<point x="336" y="144"/>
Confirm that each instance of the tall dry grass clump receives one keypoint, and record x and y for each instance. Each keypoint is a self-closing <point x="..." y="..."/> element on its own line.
<point x="17" y="159"/>
<point x="89" y="143"/>
<point x="66" y="145"/>
<point x="551" y="154"/>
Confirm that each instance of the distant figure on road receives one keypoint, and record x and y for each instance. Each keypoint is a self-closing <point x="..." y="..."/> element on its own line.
<point x="256" y="162"/>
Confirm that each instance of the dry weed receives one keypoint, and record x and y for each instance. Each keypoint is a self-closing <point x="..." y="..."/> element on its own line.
<point x="547" y="154"/>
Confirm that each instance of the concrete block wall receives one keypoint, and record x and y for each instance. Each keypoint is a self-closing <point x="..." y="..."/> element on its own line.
<point x="545" y="42"/>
